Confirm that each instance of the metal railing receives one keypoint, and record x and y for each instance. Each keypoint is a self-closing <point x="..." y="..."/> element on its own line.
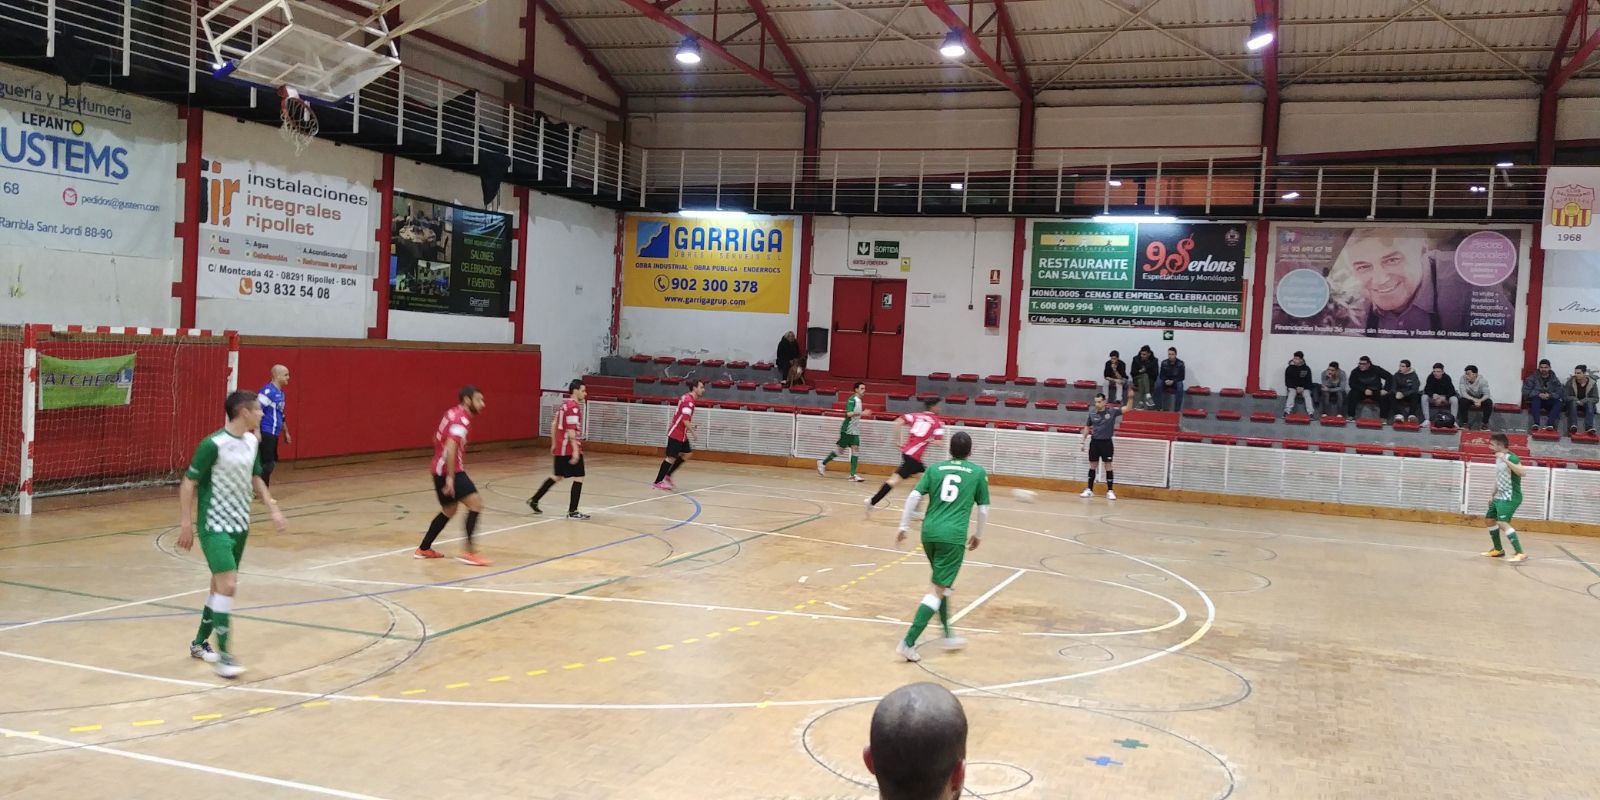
<point x="420" y="114"/>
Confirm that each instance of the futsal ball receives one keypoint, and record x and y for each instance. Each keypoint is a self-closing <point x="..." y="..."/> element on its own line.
<point x="1024" y="495"/>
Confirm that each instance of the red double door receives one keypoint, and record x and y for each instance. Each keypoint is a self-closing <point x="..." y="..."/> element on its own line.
<point x="869" y="328"/>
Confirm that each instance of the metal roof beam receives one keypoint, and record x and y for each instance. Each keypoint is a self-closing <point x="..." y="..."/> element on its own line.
<point x="1102" y="43"/>
<point x="902" y="35"/>
<point x="952" y="20"/>
<point x="554" y="18"/>
<point x="1462" y="32"/>
<point x="1009" y="34"/>
<point x="1185" y="42"/>
<point x="650" y="11"/>
<point x="777" y="37"/>
<point x="1371" y="32"/>
<point x="1559" y="74"/>
<point x="882" y="29"/>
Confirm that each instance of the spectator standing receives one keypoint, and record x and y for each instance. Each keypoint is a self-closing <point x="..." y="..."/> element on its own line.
<point x="1407" y="388"/>
<point x="789" y="362"/>
<point x="1169" y="381"/>
<point x="1368" y="382"/>
<point x="1439" y="390"/>
<point x="1297" y="380"/>
<point x="1582" y="396"/>
<point x="1333" y="391"/>
<point x="1145" y="372"/>
<point x="918" y="744"/>
<point x="1116" y="377"/>
<point x="1475" y="398"/>
<point x="1542" y="391"/>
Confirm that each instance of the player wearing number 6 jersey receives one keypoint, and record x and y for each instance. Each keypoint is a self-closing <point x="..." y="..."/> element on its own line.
<point x="953" y="487"/>
<point x="914" y="432"/>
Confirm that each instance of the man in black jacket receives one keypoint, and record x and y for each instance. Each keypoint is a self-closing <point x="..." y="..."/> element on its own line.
<point x="1439" y="390"/>
<point x="791" y="365"/>
<point x="1368" y="382"/>
<point x="1407" y="388"/>
<point x="1169" y="381"/>
<point x="1297" y="378"/>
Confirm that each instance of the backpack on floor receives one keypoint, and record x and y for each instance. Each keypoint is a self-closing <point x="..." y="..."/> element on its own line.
<point x="1444" y="419"/>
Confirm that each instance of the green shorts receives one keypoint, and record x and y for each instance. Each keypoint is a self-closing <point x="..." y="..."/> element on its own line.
<point x="1501" y="510"/>
<point x="945" y="558"/>
<point x="223" y="550"/>
<point x="849" y="440"/>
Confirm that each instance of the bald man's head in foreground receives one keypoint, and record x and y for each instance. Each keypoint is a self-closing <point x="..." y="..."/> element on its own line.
<point x="918" y="748"/>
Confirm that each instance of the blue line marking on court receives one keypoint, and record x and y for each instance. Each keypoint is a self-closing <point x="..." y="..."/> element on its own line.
<point x="698" y="509"/>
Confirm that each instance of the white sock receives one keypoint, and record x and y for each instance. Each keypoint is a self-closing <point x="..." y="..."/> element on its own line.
<point x="220" y="603"/>
<point x="930" y="601"/>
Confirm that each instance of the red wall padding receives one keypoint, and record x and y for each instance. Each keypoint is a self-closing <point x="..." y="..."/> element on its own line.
<point x="345" y="400"/>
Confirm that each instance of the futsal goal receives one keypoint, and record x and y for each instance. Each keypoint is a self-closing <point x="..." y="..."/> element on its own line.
<point x="89" y="409"/>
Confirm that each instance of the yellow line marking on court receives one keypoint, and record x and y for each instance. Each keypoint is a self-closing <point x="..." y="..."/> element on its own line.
<point x="319" y="703"/>
<point x="690" y="641"/>
<point x="204" y="717"/>
<point x="536" y="672"/>
<point x="606" y="660"/>
<point x="461" y="685"/>
<point x="143" y="722"/>
<point x="663" y="647"/>
<point x="771" y="617"/>
<point x="798" y="607"/>
<point x="713" y="634"/>
<point x="499" y="678"/>
<point x="752" y="623"/>
<point x="635" y="653"/>
<point x="577" y="665"/>
<point x="261" y="710"/>
<point x="84" y="729"/>
<point x="410" y="692"/>
<point x="763" y="704"/>
<point x="735" y="629"/>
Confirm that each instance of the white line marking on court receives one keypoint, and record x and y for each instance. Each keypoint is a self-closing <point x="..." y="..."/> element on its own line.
<point x="891" y="619"/>
<point x="97" y="611"/>
<point x="983" y="598"/>
<point x="824" y="569"/>
<point x="804" y="578"/>
<point x="190" y="765"/>
<point x="512" y="528"/>
<point x="858" y="566"/>
<point x="841" y="608"/>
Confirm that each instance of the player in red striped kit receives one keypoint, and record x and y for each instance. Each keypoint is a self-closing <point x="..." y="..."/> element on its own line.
<point x="566" y="447"/>
<point x="914" y="432"/>
<point x="679" y="432"/>
<point x="450" y="482"/>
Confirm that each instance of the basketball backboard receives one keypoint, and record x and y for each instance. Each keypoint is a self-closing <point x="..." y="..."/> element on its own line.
<point x="323" y="53"/>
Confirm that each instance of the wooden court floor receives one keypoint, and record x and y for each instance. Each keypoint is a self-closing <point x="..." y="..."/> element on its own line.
<point x="730" y="639"/>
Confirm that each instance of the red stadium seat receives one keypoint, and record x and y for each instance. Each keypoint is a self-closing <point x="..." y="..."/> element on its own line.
<point x="1263" y="416"/>
<point x="1370" y="449"/>
<point x="1026" y="381"/>
<point x="1007" y="425"/>
<point x="671" y="380"/>
<point x="1198" y="390"/>
<point x="1078" y="405"/>
<point x="1195" y="413"/>
<point x="1333" y="421"/>
<point x="1056" y="383"/>
<point x="1369" y="423"/>
<point x="956" y="399"/>
<point x="1086" y="384"/>
<point x="713" y="363"/>
<point x="967" y="377"/>
<point x="748" y="386"/>
<point x="1296" y="444"/>
<point x="772" y="387"/>
<point x="1408" y="452"/>
<point x="640" y="358"/>
<point x="995" y="379"/>
<point x="1298" y="419"/>
<point x="1230" y="415"/>
<point x="1265" y="394"/>
<point x="1046" y="405"/>
<point x="665" y="360"/>
<point x="1232" y="393"/>
<point x="1332" y="447"/>
<point x="1016" y="402"/>
<point x="938" y="376"/>
<point x="1186" y="436"/>
<point x="986" y="400"/>
<point x="1258" y="442"/>
<point x="722" y="383"/>
<point x="689" y="362"/>
<point x="1229" y="440"/>
<point x="645" y="379"/>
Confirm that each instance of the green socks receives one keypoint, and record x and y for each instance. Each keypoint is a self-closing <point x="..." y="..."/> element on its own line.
<point x="1516" y="545"/>
<point x="204" y="633"/>
<point x="1494" y="536"/>
<point x="920" y="622"/>
<point x="944" y="615"/>
<point x="828" y="459"/>
<point x="223" y="629"/>
<point x="853" y="462"/>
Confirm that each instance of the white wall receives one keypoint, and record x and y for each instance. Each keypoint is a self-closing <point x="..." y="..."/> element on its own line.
<point x="228" y="138"/>
<point x="571" y="273"/>
<point x="1500" y="362"/>
<point x="1338" y="127"/>
<point x="437" y="183"/>
<point x="952" y="257"/>
<point x="1218" y="359"/>
<point x="712" y="334"/>
<point x="1571" y="277"/>
<point x="718" y="129"/>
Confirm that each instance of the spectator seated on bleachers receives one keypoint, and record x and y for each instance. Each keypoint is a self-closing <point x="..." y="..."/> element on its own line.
<point x="1438" y="395"/>
<point x="1582" y="396"/>
<point x="1474" y="399"/>
<point x="1368" y="384"/>
<point x="1170" y="377"/>
<point x="1406" y="393"/>
<point x="1332" y="387"/>
<point x="1542" y="392"/>
<point x="1116" y="377"/>
<point x="1298" y="385"/>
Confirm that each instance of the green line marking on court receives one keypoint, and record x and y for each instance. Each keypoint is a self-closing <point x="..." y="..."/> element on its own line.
<point x="548" y="600"/>
<point x="1585" y="564"/>
<point x="726" y="545"/>
<point x="174" y="607"/>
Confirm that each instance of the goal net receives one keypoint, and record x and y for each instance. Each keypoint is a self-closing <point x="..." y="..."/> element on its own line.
<point x="85" y="409"/>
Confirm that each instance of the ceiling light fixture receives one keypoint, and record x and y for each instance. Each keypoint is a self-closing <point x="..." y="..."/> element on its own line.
<point x="1114" y="183"/>
<point x="1261" y="33"/>
<point x="1478" y="189"/>
<point x="1133" y="218"/>
<point x="1505" y="165"/>
<point x="957" y="186"/>
<point x="688" y="51"/>
<point x="953" y="47"/>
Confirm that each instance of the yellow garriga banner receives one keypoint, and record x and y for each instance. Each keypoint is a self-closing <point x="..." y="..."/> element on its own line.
<point x="707" y="264"/>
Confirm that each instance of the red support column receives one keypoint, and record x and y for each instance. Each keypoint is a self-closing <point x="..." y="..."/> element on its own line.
<point x="530" y="41"/>
<point x="1258" y="303"/>
<point x="1532" y="335"/>
<point x="1019" y="247"/>
<point x="189" y="229"/>
<point x="519" y="270"/>
<point x="380" y="282"/>
<point x="803" y="304"/>
<point x="616" y="288"/>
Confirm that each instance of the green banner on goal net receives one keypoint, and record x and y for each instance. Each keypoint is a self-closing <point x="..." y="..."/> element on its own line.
<point x="73" y="383"/>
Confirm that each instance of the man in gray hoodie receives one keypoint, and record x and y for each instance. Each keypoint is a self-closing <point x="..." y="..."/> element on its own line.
<point x="1407" y="390"/>
<point x="1473" y="399"/>
<point x="1582" y="396"/>
<point x="1542" y="391"/>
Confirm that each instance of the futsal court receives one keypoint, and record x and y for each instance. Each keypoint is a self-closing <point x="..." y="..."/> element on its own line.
<point x="730" y="639"/>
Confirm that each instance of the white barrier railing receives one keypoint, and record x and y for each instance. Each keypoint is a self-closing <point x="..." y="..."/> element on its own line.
<point x="1562" y="495"/>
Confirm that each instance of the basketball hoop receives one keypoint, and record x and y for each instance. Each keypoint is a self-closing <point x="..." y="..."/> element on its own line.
<point x="299" y="120"/>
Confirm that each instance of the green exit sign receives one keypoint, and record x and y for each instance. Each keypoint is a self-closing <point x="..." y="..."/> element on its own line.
<point x="1166" y="336"/>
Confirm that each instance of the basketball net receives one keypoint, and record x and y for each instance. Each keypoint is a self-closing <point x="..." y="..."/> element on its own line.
<point x="299" y="120"/>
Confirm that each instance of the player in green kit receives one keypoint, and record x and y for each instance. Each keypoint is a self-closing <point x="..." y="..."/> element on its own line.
<point x="953" y="487"/>
<point x="849" y="434"/>
<point x="1508" y="472"/>
<point x="225" y="470"/>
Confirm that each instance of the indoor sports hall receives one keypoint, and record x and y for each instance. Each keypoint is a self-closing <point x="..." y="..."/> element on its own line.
<point x="459" y="398"/>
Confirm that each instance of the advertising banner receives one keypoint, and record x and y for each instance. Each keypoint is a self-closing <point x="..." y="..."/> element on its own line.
<point x="1572" y="298"/>
<point x="271" y="235"/>
<point x="1396" y="281"/>
<point x="73" y="383"/>
<point x="90" y="171"/>
<point x="1154" y="275"/>
<point x="1570" y="222"/>
<point x="741" y="264"/>
<point x="449" y="259"/>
